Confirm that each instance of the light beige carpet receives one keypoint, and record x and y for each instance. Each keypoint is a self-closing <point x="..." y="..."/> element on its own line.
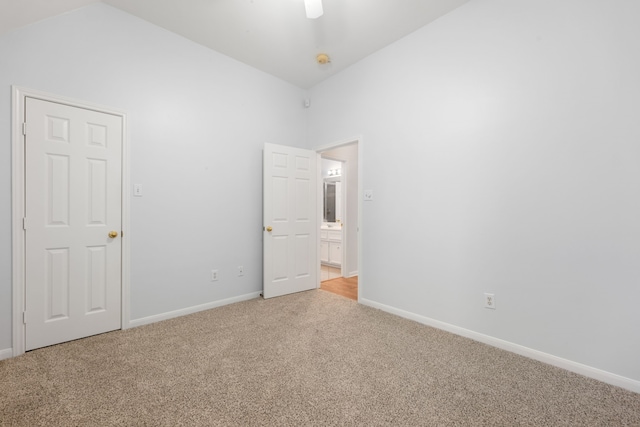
<point x="306" y="359"/>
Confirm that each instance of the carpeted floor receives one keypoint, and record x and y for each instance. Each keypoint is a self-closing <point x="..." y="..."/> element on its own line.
<point x="307" y="359"/>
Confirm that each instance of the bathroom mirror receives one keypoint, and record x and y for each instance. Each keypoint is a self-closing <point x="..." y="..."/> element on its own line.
<point x="329" y="201"/>
<point x="332" y="210"/>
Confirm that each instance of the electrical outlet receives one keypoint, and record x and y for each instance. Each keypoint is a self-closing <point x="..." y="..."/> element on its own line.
<point x="214" y="275"/>
<point x="137" y="190"/>
<point x="368" y="195"/>
<point x="490" y="301"/>
<point x="240" y="270"/>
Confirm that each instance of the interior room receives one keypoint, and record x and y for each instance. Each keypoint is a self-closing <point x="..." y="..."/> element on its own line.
<point x="491" y="149"/>
<point x="332" y="220"/>
<point x="339" y="240"/>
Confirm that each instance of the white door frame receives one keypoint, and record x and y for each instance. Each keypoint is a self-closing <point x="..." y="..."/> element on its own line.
<point x="319" y="151"/>
<point x="18" y="95"/>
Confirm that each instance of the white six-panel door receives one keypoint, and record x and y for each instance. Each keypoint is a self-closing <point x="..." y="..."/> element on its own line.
<point x="73" y="200"/>
<point x="290" y="220"/>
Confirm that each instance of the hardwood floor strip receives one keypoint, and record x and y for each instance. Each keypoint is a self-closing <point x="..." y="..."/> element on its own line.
<point x="343" y="286"/>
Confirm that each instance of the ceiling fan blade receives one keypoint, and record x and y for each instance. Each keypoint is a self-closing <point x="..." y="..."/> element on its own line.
<point x="313" y="8"/>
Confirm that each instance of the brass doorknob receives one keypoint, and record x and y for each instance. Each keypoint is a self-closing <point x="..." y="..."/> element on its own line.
<point x="269" y="228"/>
<point x="113" y="234"/>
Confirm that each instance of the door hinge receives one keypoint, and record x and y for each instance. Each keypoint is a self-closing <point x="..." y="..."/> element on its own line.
<point x="24" y="128"/>
<point x="24" y="223"/>
<point x="24" y="317"/>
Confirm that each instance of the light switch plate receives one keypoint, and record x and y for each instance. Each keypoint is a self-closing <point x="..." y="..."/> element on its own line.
<point x="137" y="190"/>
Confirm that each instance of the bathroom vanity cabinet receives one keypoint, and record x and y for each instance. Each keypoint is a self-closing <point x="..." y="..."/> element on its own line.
<point x="330" y="252"/>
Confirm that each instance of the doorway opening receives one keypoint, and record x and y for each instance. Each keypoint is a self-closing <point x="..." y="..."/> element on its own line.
<point x="339" y="182"/>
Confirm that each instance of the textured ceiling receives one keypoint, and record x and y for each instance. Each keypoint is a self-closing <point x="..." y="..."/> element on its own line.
<point x="272" y="35"/>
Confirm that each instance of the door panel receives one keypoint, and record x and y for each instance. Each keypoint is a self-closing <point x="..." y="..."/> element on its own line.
<point x="73" y="200"/>
<point x="56" y="282"/>
<point x="96" y="289"/>
<point x="290" y="252"/>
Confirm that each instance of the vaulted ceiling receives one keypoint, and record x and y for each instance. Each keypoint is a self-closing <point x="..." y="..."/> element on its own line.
<point x="272" y="35"/>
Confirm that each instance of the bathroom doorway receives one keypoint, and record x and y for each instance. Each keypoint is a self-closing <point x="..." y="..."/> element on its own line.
<point x="339" y="189"/>
<point x="333" y="214"/>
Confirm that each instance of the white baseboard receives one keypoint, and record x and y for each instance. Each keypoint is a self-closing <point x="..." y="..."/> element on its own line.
<point x="189" y="310"/>
<point x="6" y="353"/>
<point x="352" y="273"/>
<point x="569" y="365"/>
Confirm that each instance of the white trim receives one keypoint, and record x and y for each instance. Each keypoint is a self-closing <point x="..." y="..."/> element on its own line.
<point x="360" y="271"/>
<point x="338" y="144"/>
<point x="569" y="365"/>
<point x="191" y="310"/>
<point x="346" y="221"/>
<point x="319" y="215"/>
<point x="17" y="201"/>
<point x="17" y="231"/>
<point x="125" y="307"/>
<point x="6" y="353"/>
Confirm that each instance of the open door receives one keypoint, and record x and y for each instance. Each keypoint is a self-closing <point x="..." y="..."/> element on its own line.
<point x="289" y="220"/>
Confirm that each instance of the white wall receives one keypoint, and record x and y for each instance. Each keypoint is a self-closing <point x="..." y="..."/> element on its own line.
<point x="349" y="154"/>
<point x="197" y="124"/>
<point x="502" y="143"/>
